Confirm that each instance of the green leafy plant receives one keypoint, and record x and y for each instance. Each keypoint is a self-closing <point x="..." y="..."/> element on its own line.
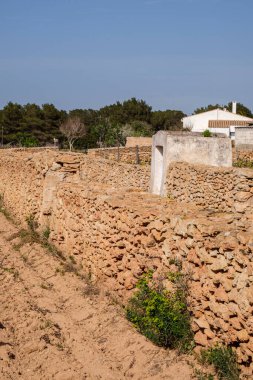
<point x="46" y="233"/>
<point x="207" y="133"/>
<point x="224" y="360"/>
<point x="26" y="140"/>
<point x="243" y="164"/>
<point x="160" y="315"/>
<point x="200" y="375"/>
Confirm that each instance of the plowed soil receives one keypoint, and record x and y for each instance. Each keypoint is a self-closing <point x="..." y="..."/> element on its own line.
<point x="55" y="326"/>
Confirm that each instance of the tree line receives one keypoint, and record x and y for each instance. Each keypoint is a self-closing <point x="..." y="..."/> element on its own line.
<point x="34" y="125"/>
<point x="240" y="109"/>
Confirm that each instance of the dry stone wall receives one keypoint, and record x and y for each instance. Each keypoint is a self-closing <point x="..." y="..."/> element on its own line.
<point x="140" y="141"/>
<point x="118" y="233"/>
<point x="243" y="155"/>
<point x="26" y="176"/>
<point x="124" y="154"/>
<point x="218" y="189"/>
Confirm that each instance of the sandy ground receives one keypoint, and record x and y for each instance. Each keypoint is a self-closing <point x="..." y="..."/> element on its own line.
<point x="50" y="328"/>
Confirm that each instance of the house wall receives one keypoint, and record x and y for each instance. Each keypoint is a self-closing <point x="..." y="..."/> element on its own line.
<point x="225" y="131"/>
<point x="244" y="138"/>
<point x="199" y="122"/>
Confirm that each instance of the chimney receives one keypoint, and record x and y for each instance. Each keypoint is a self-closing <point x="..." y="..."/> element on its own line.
<point x="234" y="107"/>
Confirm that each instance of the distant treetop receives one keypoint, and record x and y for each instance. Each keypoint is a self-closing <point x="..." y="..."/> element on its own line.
<point x="240" y="109"/>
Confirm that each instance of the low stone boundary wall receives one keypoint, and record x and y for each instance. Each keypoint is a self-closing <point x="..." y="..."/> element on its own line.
<point x="117" y="236"/>
<point x="23" y="176"/>
<point x="119" y="233"/>
<point x="130" y="155"/>
<point x="218" y="189"/>
<point x="243" y="155"/>
<point x="140" y="141"/>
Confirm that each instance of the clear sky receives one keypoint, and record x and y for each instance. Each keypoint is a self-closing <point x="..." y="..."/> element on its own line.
<point x="176" y="54"/>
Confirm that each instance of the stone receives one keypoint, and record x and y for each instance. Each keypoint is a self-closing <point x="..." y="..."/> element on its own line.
<point x="235" y="323"/>
<point x="243" y="335"/>
<point x="209" y="333"/>
<point x="221" y="295"/>
<point x="202" y="323"/>
<point x="243" y="196"/>
<point x="201" y="339"/>
<point x="227" y="284"/>
<point x="219" y="265"/>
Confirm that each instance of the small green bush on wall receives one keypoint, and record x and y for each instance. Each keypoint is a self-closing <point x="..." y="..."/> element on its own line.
<point x="160" y="315"/>
<point x="207" y="133"/>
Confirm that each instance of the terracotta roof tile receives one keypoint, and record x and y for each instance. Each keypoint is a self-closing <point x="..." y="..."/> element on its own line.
<point x="227" y="123"/>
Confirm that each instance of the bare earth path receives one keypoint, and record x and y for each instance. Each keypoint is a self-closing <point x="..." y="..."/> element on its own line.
<point x="50" y="329"/>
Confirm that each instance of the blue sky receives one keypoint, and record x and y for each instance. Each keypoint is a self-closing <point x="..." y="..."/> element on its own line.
<point x="176" y="54"/>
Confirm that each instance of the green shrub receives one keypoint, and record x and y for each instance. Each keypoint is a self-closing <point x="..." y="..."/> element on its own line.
<point x="243" y="164"/>
<point x="224" y="360"/>
<point x="160" y="315"/>
<point x="207" y="133"/>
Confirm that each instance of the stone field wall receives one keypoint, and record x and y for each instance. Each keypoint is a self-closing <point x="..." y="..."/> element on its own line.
<point x="124" y="154"/>
<point x="140" y="141"/>
<point x="243" y="155"/>
<point x="128" y="154"/>
<point x="117" y="232"/>
<point x="217" y="189"/>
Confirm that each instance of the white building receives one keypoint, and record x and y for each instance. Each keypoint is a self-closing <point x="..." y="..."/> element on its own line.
<point x="217" y="121"/>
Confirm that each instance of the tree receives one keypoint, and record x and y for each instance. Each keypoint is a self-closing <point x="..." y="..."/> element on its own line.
<point x="12" y="116"/>
<point x="240" y="109"/>
<point x="73" y="129"/>
<point x="136" y="129"/>
<point x="210" y="107"/>
<point x="167" y="120"/>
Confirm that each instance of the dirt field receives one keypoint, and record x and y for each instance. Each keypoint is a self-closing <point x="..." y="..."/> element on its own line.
<point x="53" y="326"/>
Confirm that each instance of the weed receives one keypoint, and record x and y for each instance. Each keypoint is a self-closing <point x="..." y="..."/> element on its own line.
<point x="243" y="164"/>
<point x="70" y="267"/>
<point x="60" y="271"/>
<point x="15" y="274"/>
<point x="224" y="360"/>
<point x="52" y="249"/>
<point x="46" y="233"/>
<point x="200" y="375"/>
<point x="177" y="263"/>
<point x="207" y="133"/>
<point x="12" y="271"/>
<point x="60" y="346"/>
<point x="91" y="290"/>
<point x="47" y="324"/>
<point x="160" y="315"/>
<point x="24" y="258"/>
<point x="72" y="259"/>
<point x="46" y="286"/>
<point x="175" y="277"/>
<point x="3" y="210"/>
<point x="32" y="223"/>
